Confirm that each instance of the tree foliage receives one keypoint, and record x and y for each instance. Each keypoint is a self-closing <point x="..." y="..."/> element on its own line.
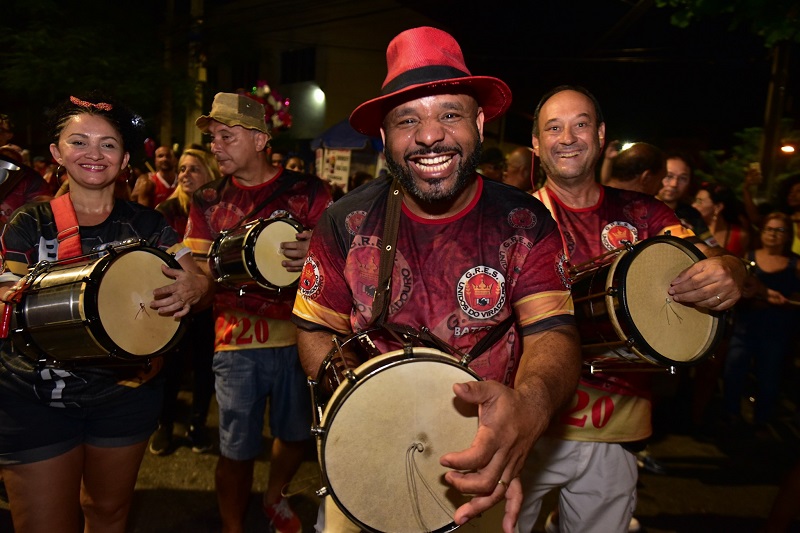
<point x="773" y="20"/>
<point x="728" y="167"/>
<point x="52" y="49"/>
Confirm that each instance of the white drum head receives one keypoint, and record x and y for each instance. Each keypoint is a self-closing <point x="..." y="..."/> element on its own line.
<point x="268" y="255"/>
<point x="385" y="435"/>
<point x="123" y="298"/>
<point x="675" y="331"/>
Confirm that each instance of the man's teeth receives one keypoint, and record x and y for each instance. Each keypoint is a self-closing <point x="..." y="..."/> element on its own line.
<point x="434" y="164"/>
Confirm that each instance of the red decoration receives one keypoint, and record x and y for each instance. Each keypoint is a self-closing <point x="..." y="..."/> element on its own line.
<point x="276" y="107"/>
<point x="150" y="147"/>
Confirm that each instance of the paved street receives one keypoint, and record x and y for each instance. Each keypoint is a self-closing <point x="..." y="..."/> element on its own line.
<point x="724" y="485"/>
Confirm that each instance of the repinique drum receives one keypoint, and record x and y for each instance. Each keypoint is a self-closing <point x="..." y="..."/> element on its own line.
<point x="624" y="307"/>
<point x="96" y="311"/>
<point x="382" y="433"/>
<point x="250" y="255"/>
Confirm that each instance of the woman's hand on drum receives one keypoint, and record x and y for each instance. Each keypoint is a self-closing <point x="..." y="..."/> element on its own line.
<point x="714" y="283"/>
<point x="190" y="288"/>
<point x="489" y="467"/>
<point x="296" y="251"/>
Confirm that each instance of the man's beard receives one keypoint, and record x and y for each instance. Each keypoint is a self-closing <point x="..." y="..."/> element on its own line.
<point x="464" y="173"/>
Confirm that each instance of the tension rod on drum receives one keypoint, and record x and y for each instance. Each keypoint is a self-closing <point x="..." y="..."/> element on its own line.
<point x="597" y="260"/>
<point x="441" y="344"/>
<point x="348" y="372"/>
<point x="629" y="367"/>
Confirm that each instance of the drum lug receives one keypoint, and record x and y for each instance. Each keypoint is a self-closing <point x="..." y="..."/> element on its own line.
<point x="322" y="492"/>
<point x="629" y="342"/>
<point x="350" y="375"/>
<point x="612" y="291"/>
<point x="317" y="431"/>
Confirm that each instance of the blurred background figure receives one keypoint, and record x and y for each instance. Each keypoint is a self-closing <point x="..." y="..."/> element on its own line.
<point x="19" y="183"/>
<point x="196" y="351"/>
<point x="6" y="129"/>
<point x="677" y="191"/>
<point x="296" y="163"/>
<point x="517" y="171"/>
<point x="40" y="165"/>
<point x="492" y="163"/>
<point x="765" y="322"/>
<point x="277" y="157"/>
<point x="722" y="212"/>
<point x="788" y="201"/>
<point x="640" y="167"/>
<point x="153" y="188"/>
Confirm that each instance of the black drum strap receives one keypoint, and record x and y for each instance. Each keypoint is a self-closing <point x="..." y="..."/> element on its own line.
<point x="380" y="303"/>
<point x="488" y="340"/>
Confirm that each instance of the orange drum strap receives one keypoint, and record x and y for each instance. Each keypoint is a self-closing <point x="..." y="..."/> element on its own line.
<point x="69" y="238"/>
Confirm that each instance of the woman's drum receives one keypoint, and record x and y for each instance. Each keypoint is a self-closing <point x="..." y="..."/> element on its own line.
<point x="250" y="256"/>
<point x="96" y="312"/>
<point x="381" y="434"/>
<point x="624" y="308"/>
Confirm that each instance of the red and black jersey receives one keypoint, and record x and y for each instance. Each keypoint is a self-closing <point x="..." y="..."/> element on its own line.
<point x="457" y="276"/>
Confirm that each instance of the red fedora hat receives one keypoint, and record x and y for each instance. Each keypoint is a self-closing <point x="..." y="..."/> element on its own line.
<point x="424" y="61"/>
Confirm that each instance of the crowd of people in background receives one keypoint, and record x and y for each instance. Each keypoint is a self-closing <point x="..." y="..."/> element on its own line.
<point x="756" y="361"/>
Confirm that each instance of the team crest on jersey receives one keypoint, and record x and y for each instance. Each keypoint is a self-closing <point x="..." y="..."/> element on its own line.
<point x="353" y="221"/>
<point x="364" y="263"/>
<point x="522" y="218"/>
<point x="481" y="292"/>
<point x="616" y="232"/>
<point x="310" y="279"/>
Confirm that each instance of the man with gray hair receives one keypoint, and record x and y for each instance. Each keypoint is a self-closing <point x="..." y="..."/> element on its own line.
<point x="255" y="347"/>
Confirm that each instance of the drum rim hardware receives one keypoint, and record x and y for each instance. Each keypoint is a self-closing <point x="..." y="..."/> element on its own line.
<point x="82" y="291"/>
<point x="325" y="412"/>
<point x="250" y="277"/>
<point x="615" y="301"/>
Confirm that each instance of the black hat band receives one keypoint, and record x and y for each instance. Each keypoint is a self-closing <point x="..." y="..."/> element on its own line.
<point x="422" y="75"/>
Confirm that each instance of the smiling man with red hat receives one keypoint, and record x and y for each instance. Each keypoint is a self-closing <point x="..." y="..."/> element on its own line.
<point x="435" y="255"/>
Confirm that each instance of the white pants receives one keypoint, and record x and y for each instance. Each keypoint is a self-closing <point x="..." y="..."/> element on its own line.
<point x="596" y="482"/>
